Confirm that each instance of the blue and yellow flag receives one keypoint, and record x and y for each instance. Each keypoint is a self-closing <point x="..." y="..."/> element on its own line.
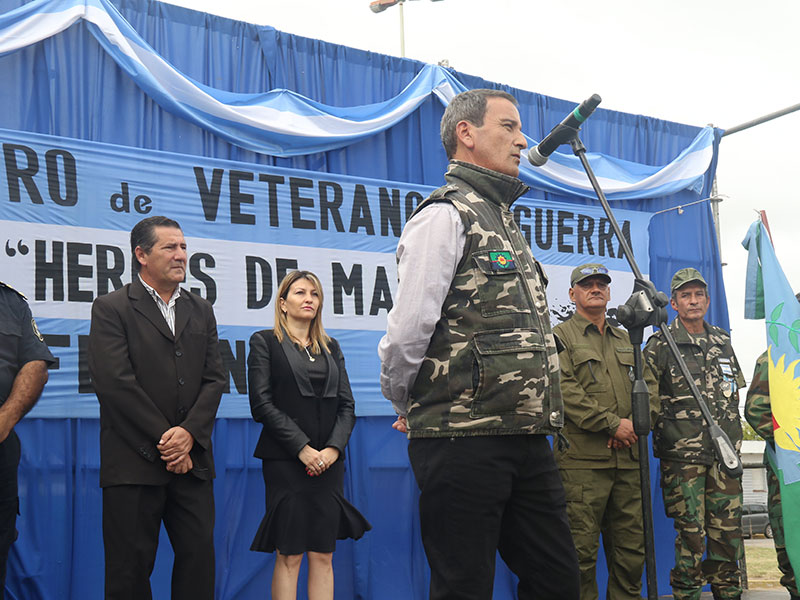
<point x="769" y="296"/>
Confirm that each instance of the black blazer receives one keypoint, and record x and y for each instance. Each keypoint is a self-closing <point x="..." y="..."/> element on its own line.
<point x="148" y="380"/>
<point x="283" y="401"/>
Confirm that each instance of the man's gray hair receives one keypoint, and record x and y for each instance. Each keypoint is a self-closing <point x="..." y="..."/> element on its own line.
<point x="468" y="106"/>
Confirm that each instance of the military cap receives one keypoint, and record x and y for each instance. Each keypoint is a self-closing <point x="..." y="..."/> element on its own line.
<point x="685" y="276"/>
<point x="588" y="270"/>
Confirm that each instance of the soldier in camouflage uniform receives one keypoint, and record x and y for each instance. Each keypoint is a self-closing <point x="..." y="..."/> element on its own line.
<point x="600" y="468"/>
<point x="470" y="364"/>
<point x="758" y="412"/>
<point x="704" y="502"/>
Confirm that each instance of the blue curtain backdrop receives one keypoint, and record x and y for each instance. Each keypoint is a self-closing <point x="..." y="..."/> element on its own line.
<point x="68" y="86"/>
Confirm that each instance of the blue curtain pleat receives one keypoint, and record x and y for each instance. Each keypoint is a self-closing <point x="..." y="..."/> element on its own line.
<point x="59" y="553"/>
<point x="67" y="86"/>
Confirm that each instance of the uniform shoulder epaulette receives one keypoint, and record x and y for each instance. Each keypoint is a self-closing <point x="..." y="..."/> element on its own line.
<point x="441" y="192"/>
<point x="720" y="333"/>
<point x="656" y="334"/>
<point x="718" y="330"/>
<point x="20" y="294"/>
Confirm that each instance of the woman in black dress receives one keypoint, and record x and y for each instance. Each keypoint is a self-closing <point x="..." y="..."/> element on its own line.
<point x="300" y="393"/>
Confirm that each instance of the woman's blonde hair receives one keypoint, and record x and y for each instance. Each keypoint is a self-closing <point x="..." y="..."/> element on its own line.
<point x="316" y="333"/>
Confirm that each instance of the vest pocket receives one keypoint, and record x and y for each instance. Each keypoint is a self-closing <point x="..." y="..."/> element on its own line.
<point x="679" y="429"/>
<point x="512" y="375"/>
<point x="499" y="282"/>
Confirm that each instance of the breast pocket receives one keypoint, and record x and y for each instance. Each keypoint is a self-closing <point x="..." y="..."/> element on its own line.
<point x="625" y="360"/>
<point x="693" y="364"/>
<point x="192" y="343"/>
<point x="11" y="332"/>
<point x="499" y="282"/>
<point x="587" y="365"/>
<point x="512" y="375"/>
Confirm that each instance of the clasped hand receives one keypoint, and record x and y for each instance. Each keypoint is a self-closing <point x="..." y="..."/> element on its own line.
<point x="401" y="424"/>
<point x="624" y="436"/>
<point x="174" y="446"/>
<point x="317" y="461"/>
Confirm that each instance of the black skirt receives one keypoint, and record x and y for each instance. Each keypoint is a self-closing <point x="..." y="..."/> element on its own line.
<point x="305" y="513"/>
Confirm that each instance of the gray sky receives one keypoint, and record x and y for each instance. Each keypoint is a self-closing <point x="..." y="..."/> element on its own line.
<point x="695" y="62"/>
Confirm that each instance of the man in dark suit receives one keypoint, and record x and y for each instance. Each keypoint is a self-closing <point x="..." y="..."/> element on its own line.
<point x="156" y="368"/>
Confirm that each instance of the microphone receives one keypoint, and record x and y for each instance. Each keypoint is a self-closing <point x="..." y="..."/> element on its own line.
<point x="563" y="132"/>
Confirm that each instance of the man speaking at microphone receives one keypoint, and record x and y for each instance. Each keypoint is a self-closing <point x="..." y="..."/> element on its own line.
<point x="470" y="364"/>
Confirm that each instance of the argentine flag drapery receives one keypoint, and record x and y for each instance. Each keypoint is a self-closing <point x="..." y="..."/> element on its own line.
<point x="283" y="123"/>
<point x="768" y="294"/>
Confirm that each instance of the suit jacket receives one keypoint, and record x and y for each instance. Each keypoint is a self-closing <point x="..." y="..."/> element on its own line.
<point x="148" y="380"/>
<point x="283" y="400"/>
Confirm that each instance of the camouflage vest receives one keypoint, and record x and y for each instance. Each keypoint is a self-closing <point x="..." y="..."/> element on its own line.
<point x="491" y="367"/>
<point x="680" y="432"/>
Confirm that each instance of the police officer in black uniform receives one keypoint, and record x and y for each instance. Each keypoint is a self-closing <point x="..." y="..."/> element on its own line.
<point x="24" y="358"/>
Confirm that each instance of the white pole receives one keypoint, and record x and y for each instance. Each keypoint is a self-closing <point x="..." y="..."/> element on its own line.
<point x="402" y="32"/>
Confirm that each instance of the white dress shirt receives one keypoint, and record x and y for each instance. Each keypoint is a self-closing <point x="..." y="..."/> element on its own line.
<point x="167" y="308"/>
<point x="430" y="248"/>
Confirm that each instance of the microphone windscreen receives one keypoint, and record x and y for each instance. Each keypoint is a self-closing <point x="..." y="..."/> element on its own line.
<point x="535" y="158"/>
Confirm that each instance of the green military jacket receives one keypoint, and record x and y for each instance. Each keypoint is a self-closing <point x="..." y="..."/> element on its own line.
<point x="596" y="380"/>
<point x="757" y="406"/>
<point x="680" y="433"/>
<point x="491" y="367"/>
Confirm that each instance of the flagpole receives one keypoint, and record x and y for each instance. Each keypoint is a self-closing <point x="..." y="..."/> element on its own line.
<point x="377" y="6"/>
<point x="760" y="120"/>
<point x="402" y="31"/>
<point x="763" y="216"/>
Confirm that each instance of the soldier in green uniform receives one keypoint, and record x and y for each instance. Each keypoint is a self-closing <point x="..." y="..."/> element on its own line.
<point x="758" y="412"/>
<point x="600" y="468"/>
<point x="704" y="502"/>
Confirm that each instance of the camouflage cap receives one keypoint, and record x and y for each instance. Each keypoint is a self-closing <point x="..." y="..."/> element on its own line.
<point x="685" y="276"/>
<point x="588" y="270"/>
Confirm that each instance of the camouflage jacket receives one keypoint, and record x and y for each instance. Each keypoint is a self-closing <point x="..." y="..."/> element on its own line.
<point x="757" y="407"/>
<point x="596" y="381"/>
<point x="680" y="433"/>
<point x="491" y="367"/>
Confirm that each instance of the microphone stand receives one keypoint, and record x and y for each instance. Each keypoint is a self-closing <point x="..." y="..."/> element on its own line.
<point x="647" y="306"/>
